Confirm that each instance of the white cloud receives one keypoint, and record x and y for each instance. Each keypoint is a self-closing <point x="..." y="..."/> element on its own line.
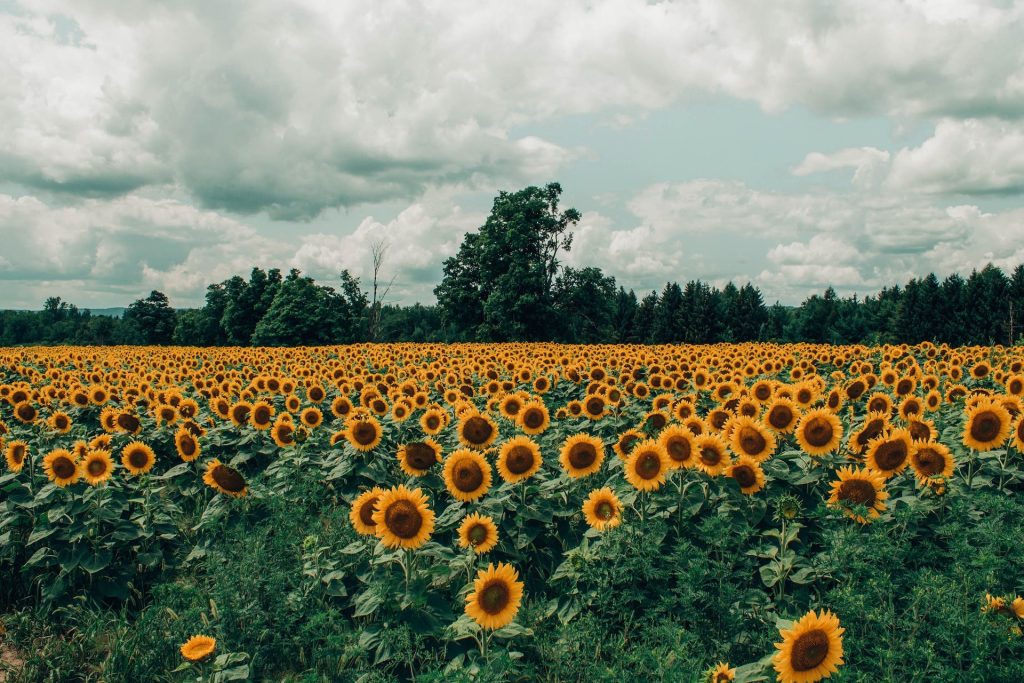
<point x="869" y="163"/>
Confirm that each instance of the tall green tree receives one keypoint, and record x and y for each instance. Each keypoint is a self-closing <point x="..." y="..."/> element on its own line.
<point x="152" y="320"/>
<point x="585" y="301"/>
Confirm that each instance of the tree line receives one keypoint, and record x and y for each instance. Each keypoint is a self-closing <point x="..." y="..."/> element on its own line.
<point x="507" y="283"/>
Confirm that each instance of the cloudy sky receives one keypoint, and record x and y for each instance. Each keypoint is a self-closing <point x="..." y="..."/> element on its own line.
<point x="793" y="144"/>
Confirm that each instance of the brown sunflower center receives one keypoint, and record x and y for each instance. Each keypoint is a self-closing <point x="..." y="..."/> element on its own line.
<point x="63" y="467"/>
<point x="818" y="431"/>
<point x="495" y="597"/>
<point x="519" y="459"/>
<point x="648" y="465"/>
<point x="985" y="426"/>
<point x="744" y="475"/>
<point x="419" y="455"/>
<point x="261" y="415"/>
<point x="856" y="389"/>
<point x="780" y="417"/>
<point x="657" y="420"/>
<point x="870" y="431"/>
<point x="477" y="430"/>
<point x="762" y="392"/>
<point x="128" y="422"/>
<point x="433" y="421"/>
<point x="96" y="467"/>
<point x="752" y="442"/>
<point x="857" y="492"/>
<point x="919" y="431"/>
<point x="890" y="454"/>
<point x="809" y="650"/>
<point x="26" y="412"/>
<point x="467" y="475"/>
<point x="512" y="407"/>
<point x="710" y="456"/>
<point x="138" y="458"/>
<point x="678" y="448"/>
<point x="582" y="455"/>
<point x="403" y="519"/>
<point x="364" y="433"/>
<point x="912" y="408"/>
<point x="604" y="510"/>
<point x="627" y="442"/>
<point x="284" y="433"/>
<point x="930" y="461"/>
<point x="533" y="418"/>
<point x="366" y="511"/>
<point x="477" y="534"/>
<point x="187" y="445"/>
<point x="18" y="453"/>
<point x="229" y="479"/>
<point x="240" y="413"/>
<point x="878" y="404"/>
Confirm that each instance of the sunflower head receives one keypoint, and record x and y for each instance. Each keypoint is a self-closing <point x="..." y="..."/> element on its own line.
<point x="581" y="455"/>
<point x="712" y="456"/>
<point x="478" y="532"/>
<point x="417" y="457"/>
<point x="496" y="596"/>
<point x="198" y="648"/>
<point x="403" y="519"/>
<point x="467" y="475"/>
<point x="15" y="454"/>
<point x="987" y="426"/>
<point x="518" y="459"/>
<point x="534" y="418"/>
<point x="747" y="472"/>
<point x="137" y="458"/>
<point x="751" y="439"/>
<point x="61" y="467"/>
<point x="890" y="453"/>
<point x="97" y="466"/>
<point x="361" y="514"/>
<point x="227" y="480"/>
<point x="477" y="430"/>
<point x="602" y="509"/>
<point x="819" y="432"/>
<point x="811" y="650"/>
<point x="860" y="493"/>
<point x="647" y="466"/>
<point x="364" y="433"/>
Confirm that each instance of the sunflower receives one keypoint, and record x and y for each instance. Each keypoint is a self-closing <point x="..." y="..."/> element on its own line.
<point x="647" y="466"/>
<point x="59" y="422"/>
<point x="478" y="532"/>
<point x="240" y="413"/>
<point x="61" y="467"/>
<point x="748" y="474"/>
<point x="594" y="407"/>
<point x="362" y="510"/>
<point x="581" y="455"/>
<point x="467" y="475"/>
<point x="262" y="415"/>
<point x="225" y="479"/>
<point x="931" y="460"/>
<point x="518" y="459"/>
<point x="403" y="519"/>
<point x="626" y="442"/>
<point x="819" y="432"/>
<point x="364" y="433"/>
<point x="857" y="488"/>
<point x="283" y="431"/>
<point x="432" y="421"/>
<point x="781" y="415"/>
<point x="417" y="457"/>
<point x="97" y="467"/>
<point x="712" y="456"/>
<point x="534" y="418"/>
<point x="477" y="430"/>
<point x="602" y="509"/>
<point x="25" y="412"/>
<point x="678" y="442"/>
<point x="890" y="454"/>
<point x="186" y="444"/>
<point x="198" y="648"/>
<point x="987" y="426"/>
<point x="721" y="673"/>
<point x="751" y="439"/>
<point x="15" y="454"/>
<point x="510" y="406"/>
<point x="312" y="417"/>
<point x="811" y="650"/>
<point x="496" y="596"/>
<point x="874" y="426"/>
<point x="126" y="421"/>
<point x="137" y="458"/>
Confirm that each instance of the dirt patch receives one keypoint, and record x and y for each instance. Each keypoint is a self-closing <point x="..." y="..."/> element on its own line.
<point x="10" y="660"/>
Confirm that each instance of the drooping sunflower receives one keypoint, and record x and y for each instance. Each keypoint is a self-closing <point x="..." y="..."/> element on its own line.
<point x="751" y="439"/>
<point x="15" y="454"/>
<point x="478" y="532"/>
<point x="227" y="480"/>
<point x="187" y="445"/>
<point x="647" y="466"/>
<point x="496" y="596"/>
<point x="403" y="518"/>
<point x="748" y="474"/>
<point x="890" y="454"/>
<point x="858" y="488"/>
<point x="61" y="467"/>
<point x="602" y="509"/>
<point x="97" y="467"/>
<point x="819" y="432"/>
<point x="581" y="455"/>
<point x="137" y="458"/>
<point x="626" y="442"/>
<point x="931" y="460"/>
<point x="874" y="425"/>
<point x="361" y="514"/>
<point x="534" y="418"/>
<point x="417" y="457"/>
<point x="518" y="459"/>
<point x="712" y="455"/>
<point x="198" y="648"/>
<point x="678" y="442"/>
<point x="811" y="650"/>
<point x="987" y="426"/>
<point x="781" y="415"/>
<point x="477" y="430"/>
<point x="467" y="475"/>
<point x="364" y="433"/>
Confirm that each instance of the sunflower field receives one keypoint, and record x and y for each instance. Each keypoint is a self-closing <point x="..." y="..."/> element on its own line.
<point x="512" y="512"/>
